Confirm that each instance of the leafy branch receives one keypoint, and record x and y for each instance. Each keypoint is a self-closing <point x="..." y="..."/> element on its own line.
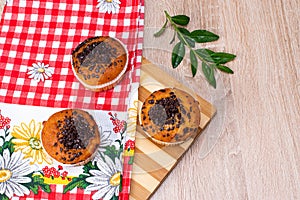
<point x="210" y="60"/>
<point x="80" y="181"/>
<point x="37" y="182"/>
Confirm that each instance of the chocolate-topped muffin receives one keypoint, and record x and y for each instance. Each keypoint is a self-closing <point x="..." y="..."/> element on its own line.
<point x="70" y="136"/>
<point x="100" y="62"/>
<point x="170" y="116"/>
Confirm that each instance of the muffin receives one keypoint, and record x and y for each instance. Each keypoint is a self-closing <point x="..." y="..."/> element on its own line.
<point x="170" y="116"/>
<point x="99" y="63"/>
<point x="71" y="136"/>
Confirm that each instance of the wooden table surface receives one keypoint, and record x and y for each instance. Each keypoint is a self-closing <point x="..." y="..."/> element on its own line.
<point x="257" y="155"/>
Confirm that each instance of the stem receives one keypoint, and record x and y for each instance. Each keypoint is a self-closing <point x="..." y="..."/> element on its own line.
<point x="161" y="30"/>
<point x="119" y="141"/>
<point x="173" y="39"/>
<point x="121" y="150"/>
<point x="6" y="132"/>
<point x="200" y="58"/>
<point x="169" y="18"/>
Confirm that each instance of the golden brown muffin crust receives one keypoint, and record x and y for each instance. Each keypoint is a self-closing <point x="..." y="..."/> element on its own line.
<point x="70" y="136"/>
<point x="99" y="60"/>
<point x="170" y="115"/>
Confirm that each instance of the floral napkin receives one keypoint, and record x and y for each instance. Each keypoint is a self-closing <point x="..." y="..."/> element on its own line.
<point x="36" y="80"/>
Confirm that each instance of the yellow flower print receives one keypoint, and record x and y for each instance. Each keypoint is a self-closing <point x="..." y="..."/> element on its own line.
<point x="132" y="117"/>
<point x="27" y="139"/>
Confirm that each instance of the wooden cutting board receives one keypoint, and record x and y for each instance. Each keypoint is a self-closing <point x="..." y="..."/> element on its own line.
<point x="153" y="162"/>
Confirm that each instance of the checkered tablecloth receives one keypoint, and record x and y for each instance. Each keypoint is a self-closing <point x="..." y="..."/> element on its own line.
<point x="47" y="31"/>
<point x="57" y="194"/>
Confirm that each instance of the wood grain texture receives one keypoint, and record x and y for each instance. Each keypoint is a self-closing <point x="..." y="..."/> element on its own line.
<point x="258" y="153"/>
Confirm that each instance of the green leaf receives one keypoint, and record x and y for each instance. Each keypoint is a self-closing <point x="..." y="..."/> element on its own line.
<point x="76" y="182"/>
<point x="88" y="166"/>
<point x="225" y="69"/>
<point x="202" y="36"/>
<point x="184" y="31"/>
<point x="9" y="145"/>
<point x="34" y="189"/>
<point x="130" y="162"/>
<point x="45" y="188"/>
<point x="178" y="54"/>
<point x="205" y="54"/>
<point x="114" y="197"/>
<point x="3" y="197"/>
<point x="222" y="58"/>
<point x="162" y="30"/>
<point x="182" y="20"/>
<point x="209" y="74"/>
<point x="194" y="63"/>
<point x="73" y="185"/>
<point x="37" y="180"/>
<point x="111" y="151"/>
<point x="184" y="37"/>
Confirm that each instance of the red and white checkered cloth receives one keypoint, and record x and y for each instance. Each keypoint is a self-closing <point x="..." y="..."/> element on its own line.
<point x="57" y="194"/>
<point x="47" y="32"/>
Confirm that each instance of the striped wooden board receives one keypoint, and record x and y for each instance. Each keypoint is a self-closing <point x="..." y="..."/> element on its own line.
<point x="153" y="162"/>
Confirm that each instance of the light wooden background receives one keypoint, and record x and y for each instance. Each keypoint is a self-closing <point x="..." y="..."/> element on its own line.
<point x="258" y="153"/>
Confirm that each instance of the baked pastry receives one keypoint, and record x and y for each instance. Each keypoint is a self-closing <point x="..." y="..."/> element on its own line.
<point x="100" y="62"/>
<point x="71" y="136"/>
<point x="170" y="116"/>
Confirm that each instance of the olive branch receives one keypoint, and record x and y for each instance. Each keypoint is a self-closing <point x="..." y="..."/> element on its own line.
<point x="210" y="60"/>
